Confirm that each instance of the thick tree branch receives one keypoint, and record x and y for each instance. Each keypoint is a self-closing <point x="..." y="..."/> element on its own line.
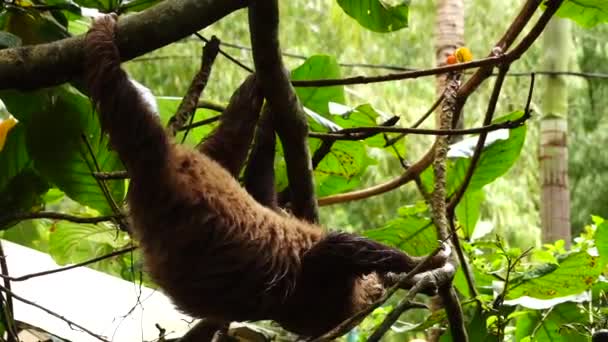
<point x="54" y="63"/>
<point x="290" y="120"/>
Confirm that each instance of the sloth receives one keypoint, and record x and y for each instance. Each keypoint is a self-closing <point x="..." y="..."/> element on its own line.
<point x="215" y="250"/>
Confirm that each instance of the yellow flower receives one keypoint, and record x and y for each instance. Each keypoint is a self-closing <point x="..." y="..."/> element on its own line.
<point x="463" y="55"/>
<point x="5" y="126"/>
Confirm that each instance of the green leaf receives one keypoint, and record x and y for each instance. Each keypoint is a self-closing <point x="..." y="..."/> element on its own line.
<point x="9" y="40"/>
<point x="552" y="326"/>
<point x="13" y="157"/>
<point x="72" y="242"/>
<point x="23" y="105"/>
<point x="102" y="5"/>
<point x="601" y="240"/>
<point x="360" y="116"/>
<point x="30" y="233"/>
<point x="414" y="235"/>
<point x="496" y="158"/>
<point x="22" y="194"/>
<point x="586" y="13"/>
<point x="341" y="169"/>
<point x="56" y="143"/>
<point x="377" y="15"/>
<point x="34" y="27"/>
<point x="467" y="211"/>
<point x="317" y="98"/>
<point x="575" y="273"/>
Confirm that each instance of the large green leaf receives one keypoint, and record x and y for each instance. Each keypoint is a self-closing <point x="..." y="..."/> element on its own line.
<point x="551" y="327"/>
<point x="413" y="234"/>
<point x="56" y="142"/>
<point x="341" y="169"/>
<point x="72" y="242"/>
<point x="586" y="13"/>
<point x="467" y="211"/>
<point x="317" y="98"/>
<point x="601" y="240"/>
<point x="13" y="157"/>
<point x="102" y="5"/>
<point x="22" y="194"/>
<point x="34" y="26"/>
<point x="574" y="274"/>
<point x="496" y="158"/>
<point x="377" y="15"/>
<point x="360" y="116"/>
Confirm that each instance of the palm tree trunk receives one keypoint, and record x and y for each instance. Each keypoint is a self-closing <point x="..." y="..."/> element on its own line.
<point x="555" y="191"/>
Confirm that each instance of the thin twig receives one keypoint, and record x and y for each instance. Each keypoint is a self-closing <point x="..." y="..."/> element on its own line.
<point x="102" y="184"/>
<point x="223" y="53"/>
<point x="464" y="264"/>
<point x="211" y="105"/>
<point x="55" y="216"/>
<point x="111" y="175"/>
<point x="423" y="118"/>
<point x="70" y="267"/>
<point x="201" y="123"/>
<point x="70" y="323"/>
<point x="353" y="133"/>
<point x="488" y="61"/>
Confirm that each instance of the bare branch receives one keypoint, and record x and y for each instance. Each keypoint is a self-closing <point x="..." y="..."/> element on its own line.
<point x="4" y="220"/>
<point x="489" y="61"/>
<point x="70" y="323"/>
<point x="67" y="268"/>
<point x="358" y="133"/>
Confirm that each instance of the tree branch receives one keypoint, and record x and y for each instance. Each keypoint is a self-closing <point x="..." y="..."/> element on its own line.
<point x="54" y="216"/>
<point x="44" y="65"/>
<point x="67" y="268"/>
<point x="70" y="323"/>
<point x="289" y="119"/>
<point x="358" y="133"/>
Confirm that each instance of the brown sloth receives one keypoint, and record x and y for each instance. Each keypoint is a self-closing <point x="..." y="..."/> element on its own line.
<point x="214" y="250"/>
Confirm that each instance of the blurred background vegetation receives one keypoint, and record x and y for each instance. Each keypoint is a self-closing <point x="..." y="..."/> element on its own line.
<point x="321" y="27"/>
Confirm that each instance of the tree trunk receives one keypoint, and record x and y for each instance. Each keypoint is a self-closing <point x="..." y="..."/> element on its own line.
<point x="555" y="195"/>
<point x="449" y="35"/>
